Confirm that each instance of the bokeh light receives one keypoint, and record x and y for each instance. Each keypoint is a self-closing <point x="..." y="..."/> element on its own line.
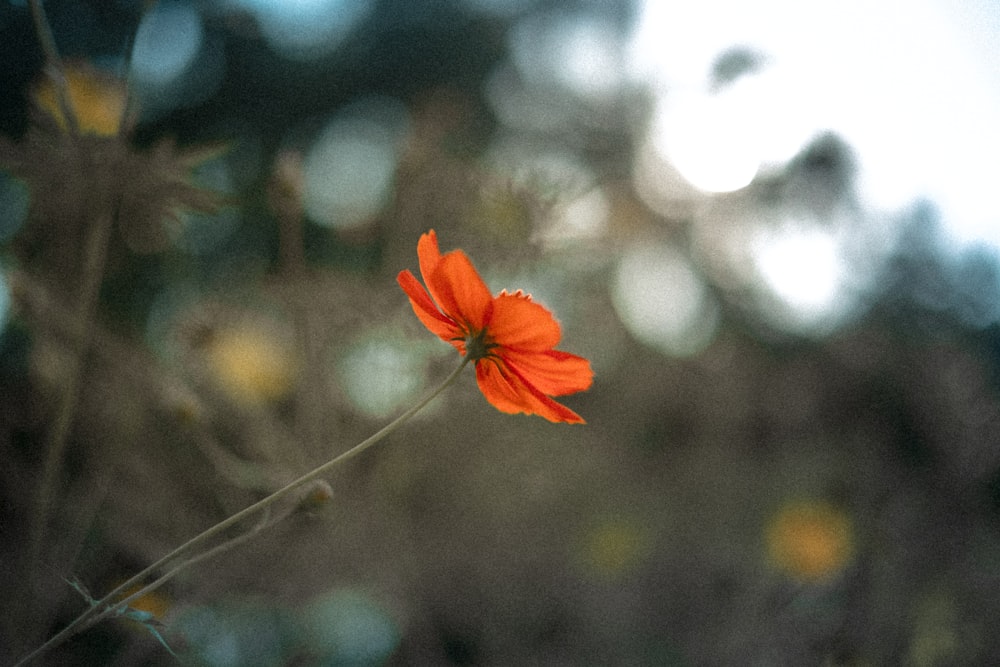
<point x="584" y="217"/>
<point x="663" y="301"/>
<point x="14" y="202"/>
<point x="201" y="233"/>
<point x="348" y="628"/>
<point x="576" y="51"/>
<point x="237" y="634"/>
<point x="810" y="540"/>
<point x="803" y="268"/>
<point x="349" y="169"/>
<point x="502" y="8"/>
<point x="925" y="129"/>
<point x="709" y="142"/>
<point x="253" y="361"/>
<point x="167" y="42"/>
<point x="174" y="63"/>
<point x="306" y="29"/>
<point x="379" y="375"/>
<point x="519" y="106"/>
<point x="613" y="546"/>
<point x="721" y="136"/>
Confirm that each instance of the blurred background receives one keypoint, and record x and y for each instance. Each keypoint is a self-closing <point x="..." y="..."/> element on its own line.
<point x="772" y="227"/>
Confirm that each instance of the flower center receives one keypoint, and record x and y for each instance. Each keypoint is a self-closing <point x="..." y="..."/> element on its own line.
<point x="478" y="345"/>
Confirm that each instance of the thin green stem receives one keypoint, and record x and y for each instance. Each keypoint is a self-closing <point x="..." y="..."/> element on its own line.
<point x="122" y="605"/>
<point x="106" y="605"/>
<point x="194" y="560"/>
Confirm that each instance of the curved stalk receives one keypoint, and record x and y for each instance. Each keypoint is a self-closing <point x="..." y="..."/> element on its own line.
<point x="107" y="605"/>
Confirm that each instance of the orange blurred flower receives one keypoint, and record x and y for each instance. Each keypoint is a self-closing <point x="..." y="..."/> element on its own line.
<point x="510" y="338"/>
<point x="810" y="540"/>
<point x="155" y="603"/>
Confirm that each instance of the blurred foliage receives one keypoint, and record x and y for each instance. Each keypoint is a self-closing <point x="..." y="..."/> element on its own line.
<point x="781" y="495"/>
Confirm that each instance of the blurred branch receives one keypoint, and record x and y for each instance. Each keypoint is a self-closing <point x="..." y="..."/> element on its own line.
<point x="284" y="195"/>
<point x="54" y="66"/>
<point x="58" y="435"/>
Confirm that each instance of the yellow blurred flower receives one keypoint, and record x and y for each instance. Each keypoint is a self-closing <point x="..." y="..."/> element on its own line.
<point x="252" y="363"/>
<point x="810" y="540"/>
<point x="614" y="545"/>
<point x="97" y="100"/>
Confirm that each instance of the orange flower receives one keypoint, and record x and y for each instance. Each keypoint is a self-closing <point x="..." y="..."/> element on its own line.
<point x="510" y="338"/>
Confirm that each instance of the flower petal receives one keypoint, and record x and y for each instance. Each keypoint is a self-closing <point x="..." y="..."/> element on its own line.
<point x="428" y="253"/>
<point x="508" y="392"/>
<point x="454" y="283"/>
<point x="497" y="389"/>
<point x="553" y="372"/>
<point x="425" y="310"/>
<point x="456" y="286"/>
<point x="519" y="323"/>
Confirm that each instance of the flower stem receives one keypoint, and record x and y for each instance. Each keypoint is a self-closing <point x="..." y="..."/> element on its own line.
<point x="107" y="605"/>
<point x="122" y="605"/>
